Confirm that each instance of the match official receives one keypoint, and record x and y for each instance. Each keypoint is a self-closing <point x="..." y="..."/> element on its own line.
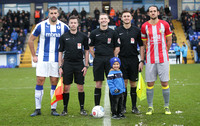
<point x="104" y="40"/>
<point x="72" y="44"/>
<point x="130" y="38"/>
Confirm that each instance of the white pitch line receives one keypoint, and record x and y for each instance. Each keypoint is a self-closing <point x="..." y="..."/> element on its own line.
<point x="19" y="88"/>
<point x="106" y="119"/>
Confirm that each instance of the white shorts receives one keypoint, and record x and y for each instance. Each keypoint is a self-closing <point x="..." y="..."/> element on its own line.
<point x="160" y="69"/>
<point x="47" y="69"/>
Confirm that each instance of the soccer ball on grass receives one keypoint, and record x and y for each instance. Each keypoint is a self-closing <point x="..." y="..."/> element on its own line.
<point x="98" y="111"/>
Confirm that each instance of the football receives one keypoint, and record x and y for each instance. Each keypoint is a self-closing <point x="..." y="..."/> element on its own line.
<point x="98" y="111"/>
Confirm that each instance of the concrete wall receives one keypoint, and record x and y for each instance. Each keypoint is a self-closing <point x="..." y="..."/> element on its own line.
<point x="45" y="6"/>
<point x="93" y="5"/>
<point x="32" y="21"/>
<point x="117" y="5"/>
<point x="179" y="8"/>
<point x="166" y="2"/>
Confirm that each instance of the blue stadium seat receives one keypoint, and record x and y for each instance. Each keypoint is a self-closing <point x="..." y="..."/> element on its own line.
<point x="195" y="33"/>
<point x="25" y="31"/>
<point x="196" y="37"/>
<point x="194" y="47"/>
<point x="190" y="37"/>
<point x="198" y="33"/>
<point x="173" y="44"/>
<point x="14" y="48"/>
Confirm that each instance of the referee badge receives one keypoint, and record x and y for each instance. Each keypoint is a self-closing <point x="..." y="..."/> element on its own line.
<point x="118" y="40"/>
<point x="132" y="40"/>
<point x="78" y="45"/>
<point x="109" y="40"/>
<point x="89" y="41"/>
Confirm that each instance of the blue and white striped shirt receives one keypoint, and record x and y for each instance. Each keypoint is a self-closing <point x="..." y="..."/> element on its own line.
<point x="49" y="40"/>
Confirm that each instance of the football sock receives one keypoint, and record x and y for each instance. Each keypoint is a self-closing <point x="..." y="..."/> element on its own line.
<point x="97" y="96"/>
<point x="38" y="96"/>
<point x="166" y="92"/>
<point x="53" y="87"/>
<point x="65" y="100"/>
<point x="124" y="99"/>
<point x="133" y="96"/>
<point x="150" y="92"/>
<point x="81" y="98"/>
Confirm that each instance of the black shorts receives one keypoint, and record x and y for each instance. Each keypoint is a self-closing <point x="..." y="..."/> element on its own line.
<point x="101" y="64"/>
<point x="129" y="67"/>
<point x="73" y="69"/>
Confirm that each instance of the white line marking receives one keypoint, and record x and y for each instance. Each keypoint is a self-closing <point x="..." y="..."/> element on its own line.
<point x="19" y="88"/>
<point x="107" y="119"/>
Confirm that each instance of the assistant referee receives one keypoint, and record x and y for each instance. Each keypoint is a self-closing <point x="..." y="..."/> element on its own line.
<point x="130" y="37"/>
<point x="104" y="40"/>
<point x="72" y="43"/>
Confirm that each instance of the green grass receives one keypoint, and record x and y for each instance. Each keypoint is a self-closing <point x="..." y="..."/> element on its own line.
<point x="17" y="101"/>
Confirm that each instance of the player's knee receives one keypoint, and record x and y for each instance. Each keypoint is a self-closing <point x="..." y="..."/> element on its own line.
<point x="150" y="84"/>
<point x="133" y="83"/>
<point x="80" y="88"/>
<point x="126" y="82"/>
<point x="40" y="80"/>
<point x="98" y="84"/>
<point x="66" y="88"/>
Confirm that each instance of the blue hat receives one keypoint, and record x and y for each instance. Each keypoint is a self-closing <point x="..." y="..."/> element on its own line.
<point x="113" y="60"/>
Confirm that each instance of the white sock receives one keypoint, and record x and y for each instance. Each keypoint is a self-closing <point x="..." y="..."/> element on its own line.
<point x="38" y="98"/>
<point x="55" y="104"/>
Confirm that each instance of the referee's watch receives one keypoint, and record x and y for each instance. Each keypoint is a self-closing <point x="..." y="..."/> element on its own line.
<point x="142" y="61"/>
<point x="87" y="67"/>
<point x="60" y="67"/>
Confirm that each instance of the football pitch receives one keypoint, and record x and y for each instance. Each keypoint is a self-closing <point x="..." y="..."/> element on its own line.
<point x="17" y="88"/>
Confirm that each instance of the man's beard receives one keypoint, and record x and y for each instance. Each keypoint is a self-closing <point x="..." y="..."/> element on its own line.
<point x="154" y="18"/>
<point x="54" y="20"/>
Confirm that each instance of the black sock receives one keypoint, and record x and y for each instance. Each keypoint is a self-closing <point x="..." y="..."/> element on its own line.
<point x="97" y="96"/>
<point x="124" y="99"/>
<point x="81" y="98"/>
<point x="65" y="100"/>
<point x="133" y="96"/>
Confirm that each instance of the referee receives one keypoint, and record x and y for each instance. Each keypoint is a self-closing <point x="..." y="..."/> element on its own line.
<point x="72" y="43"/>
<point x="130" y="37"/>
<point x="104" y="40"/>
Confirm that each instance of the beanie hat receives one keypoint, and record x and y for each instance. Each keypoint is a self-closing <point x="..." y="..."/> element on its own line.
<point x="113" y="60"/>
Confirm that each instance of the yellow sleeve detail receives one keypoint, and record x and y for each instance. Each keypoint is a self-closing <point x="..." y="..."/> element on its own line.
<point x="168" y="35"/>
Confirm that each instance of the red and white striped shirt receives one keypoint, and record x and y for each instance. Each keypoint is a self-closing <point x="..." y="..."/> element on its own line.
<point x="156" y="51"/>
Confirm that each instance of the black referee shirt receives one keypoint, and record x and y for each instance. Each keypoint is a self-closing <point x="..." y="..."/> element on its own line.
<point x="73" y="45"/>
<point x="129" y="39"/>
<point x="104" y="41"/>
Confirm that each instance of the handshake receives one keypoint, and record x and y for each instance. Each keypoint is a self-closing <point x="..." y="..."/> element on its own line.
<point x="117" y="91"/>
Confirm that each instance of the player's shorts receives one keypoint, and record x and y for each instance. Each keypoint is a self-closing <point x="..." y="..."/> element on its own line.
<point x="47" y="69"/>
<point x="160" y="69"/>
<point x="101" y="64"/>
<point x="129" y="67"/>
<point x="73" y="69"/>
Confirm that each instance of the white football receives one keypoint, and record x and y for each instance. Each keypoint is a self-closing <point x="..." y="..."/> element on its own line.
<point x="98" y="111"/>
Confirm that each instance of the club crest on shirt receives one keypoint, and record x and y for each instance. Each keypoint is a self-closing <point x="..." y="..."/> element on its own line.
<point x="161" y="30"/>
<point x="78" y="45"/>
<point x="132" y="40"/>
<point x="109" y="40"/>
<point x="58" y="27"/>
